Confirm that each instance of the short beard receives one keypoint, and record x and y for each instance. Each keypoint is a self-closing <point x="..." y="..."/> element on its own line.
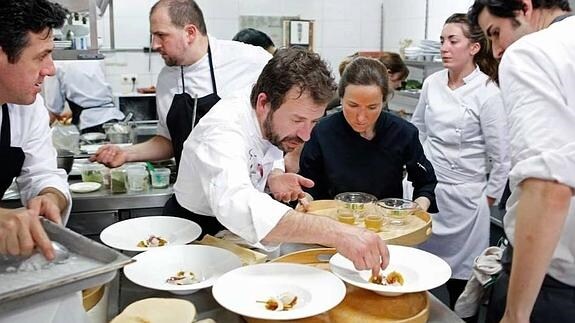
<point x="273" y="137"/>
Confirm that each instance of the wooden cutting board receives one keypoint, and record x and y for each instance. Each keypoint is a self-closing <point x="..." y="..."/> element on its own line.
<point x="416" y="230"/>
<point x="359" y="305"/>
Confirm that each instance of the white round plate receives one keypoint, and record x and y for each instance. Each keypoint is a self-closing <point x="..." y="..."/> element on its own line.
<point x="125" y="235"/>
<point x="242" y="290"/>
<point x="420" y="269"/>
<point x="85" y="187"/>
<point x="154" y="266"/>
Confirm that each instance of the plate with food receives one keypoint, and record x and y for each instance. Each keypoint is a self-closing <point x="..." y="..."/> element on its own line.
<point x="181" y="270"/>
<point x="410" y="270"/>
<point x="278" y="291"/>
<point x="143" y="233"/>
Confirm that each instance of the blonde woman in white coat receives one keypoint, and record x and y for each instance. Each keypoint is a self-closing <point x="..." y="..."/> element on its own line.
<point x="462" y="125"/>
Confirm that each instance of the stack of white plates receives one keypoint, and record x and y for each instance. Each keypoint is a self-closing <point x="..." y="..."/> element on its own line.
<point x="430" y="49"/>
<point x="413" y="52"/>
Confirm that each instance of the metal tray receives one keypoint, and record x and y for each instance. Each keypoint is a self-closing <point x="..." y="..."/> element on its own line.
<point x="90" y="264"/>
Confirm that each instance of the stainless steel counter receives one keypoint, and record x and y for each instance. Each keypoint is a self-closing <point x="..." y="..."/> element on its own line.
<point x="104" y="200"/>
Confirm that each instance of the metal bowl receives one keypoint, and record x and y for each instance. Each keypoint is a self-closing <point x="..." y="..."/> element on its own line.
<point x="65" y="160"/>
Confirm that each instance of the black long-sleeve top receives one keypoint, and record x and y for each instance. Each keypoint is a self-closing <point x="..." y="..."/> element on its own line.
<point x="339" y="160"/>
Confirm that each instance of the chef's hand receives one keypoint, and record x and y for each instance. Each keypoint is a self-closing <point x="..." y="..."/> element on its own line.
<point x="49" y="203"/>
<point x="21" y="231"/>
<point x="110" y="155"/>
<point x="363" y="247"/>
<point x="287" y="187"/>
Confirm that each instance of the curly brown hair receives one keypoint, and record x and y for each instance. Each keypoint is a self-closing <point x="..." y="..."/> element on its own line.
<point x="294" y="67"/>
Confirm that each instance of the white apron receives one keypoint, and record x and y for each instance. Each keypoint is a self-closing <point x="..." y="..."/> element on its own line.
<point x="461" y="228"/>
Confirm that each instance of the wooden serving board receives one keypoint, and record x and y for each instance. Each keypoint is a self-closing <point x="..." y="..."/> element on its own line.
<point x="416" y="230"/>
<point x="359" y="305"/>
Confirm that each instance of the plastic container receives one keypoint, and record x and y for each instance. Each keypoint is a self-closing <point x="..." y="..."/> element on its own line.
<point x="118" y="180"/>
<point x="137" y="179"/>
<point x="160" y="177"/>
<point x="93" y="173"/>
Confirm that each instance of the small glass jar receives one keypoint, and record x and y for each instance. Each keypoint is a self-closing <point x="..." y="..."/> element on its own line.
<point x="118" y="180"/>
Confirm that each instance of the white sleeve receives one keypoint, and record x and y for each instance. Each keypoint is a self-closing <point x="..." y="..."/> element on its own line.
<point x="541" y="121"/>
<point x="493" y="120"/>
<point x="54" y="95"/>
<point x="222" y="164"/>
<point x="418" y="117"/>
<point x="39" y="170"/>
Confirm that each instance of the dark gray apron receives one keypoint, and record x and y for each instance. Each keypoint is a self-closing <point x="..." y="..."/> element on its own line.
<point x="12" y="158"/>
<point x="183" y="115"/>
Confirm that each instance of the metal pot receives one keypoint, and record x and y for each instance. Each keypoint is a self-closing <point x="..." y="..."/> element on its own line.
<point x="65" y="160"/>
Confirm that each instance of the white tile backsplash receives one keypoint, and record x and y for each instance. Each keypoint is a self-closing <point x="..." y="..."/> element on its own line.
<point x="342" y="27"/>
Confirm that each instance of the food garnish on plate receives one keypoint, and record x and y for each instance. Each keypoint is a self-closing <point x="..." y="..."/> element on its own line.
<point x="183" y="278"/>
<point x="153" y="241"/>
<point x="393" y="278"/>
<point x="284" y="302"/>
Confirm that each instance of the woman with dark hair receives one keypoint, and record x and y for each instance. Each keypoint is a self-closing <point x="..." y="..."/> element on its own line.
<point x="462" y="125"/>
<point x="363" y="148"/>
<point x="396" y="69"/>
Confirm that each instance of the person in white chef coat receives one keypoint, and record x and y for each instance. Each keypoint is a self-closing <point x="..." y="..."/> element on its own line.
<point x="26" y="151"/>
<point x="536" y="45"/>
<point x="83" y="85"/>
<point x="463" y="127"/>
<point x="233" y="158"/>
<point x="200" y="70"/>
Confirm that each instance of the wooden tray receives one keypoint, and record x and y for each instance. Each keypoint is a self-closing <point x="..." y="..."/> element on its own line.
<point x="416" y="230"/>
<point x="359" y="305"/>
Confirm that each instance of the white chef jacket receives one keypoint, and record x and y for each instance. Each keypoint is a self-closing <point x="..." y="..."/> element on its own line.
<point x="30" y="130"/>
<point x="82" y="82"/>
<point x="224" y="169"/>
<point x="236" y="67"/>
<point x="460" y="130"/>
<point x="537" y="76"/>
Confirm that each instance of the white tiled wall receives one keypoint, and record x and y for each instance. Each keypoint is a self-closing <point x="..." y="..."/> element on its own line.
<point x="342" y="27"/>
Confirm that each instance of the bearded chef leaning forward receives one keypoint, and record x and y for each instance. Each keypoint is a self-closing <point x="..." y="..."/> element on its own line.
<point x="26" y="151"/>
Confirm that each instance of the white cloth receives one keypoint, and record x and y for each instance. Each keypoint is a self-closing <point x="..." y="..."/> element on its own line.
<point x="484" y="267"/>
<point x="82" y="82"/>
<point x="224" y="169"/>
<point x="64" y="309"/>
<point x="460" y="131"/>
<point x="537" y="75"/>
<point x="29" y="129"/>
<point x="236" y="66"/>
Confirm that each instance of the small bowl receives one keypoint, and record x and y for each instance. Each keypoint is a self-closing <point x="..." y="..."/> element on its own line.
<point x="397" y="210"/>
<point x="357" y="202"/>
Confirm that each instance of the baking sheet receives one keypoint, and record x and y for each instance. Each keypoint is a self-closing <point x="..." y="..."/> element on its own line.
<point x="90" y="264"/>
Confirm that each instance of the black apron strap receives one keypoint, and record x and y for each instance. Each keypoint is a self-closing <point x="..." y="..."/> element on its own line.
<point x="5" y="132"/>
<point x="183" y="84"/>
<point x="214" y="88"/>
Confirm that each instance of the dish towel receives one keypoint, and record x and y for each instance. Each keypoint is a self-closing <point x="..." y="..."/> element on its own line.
<point x="485" y="267"/>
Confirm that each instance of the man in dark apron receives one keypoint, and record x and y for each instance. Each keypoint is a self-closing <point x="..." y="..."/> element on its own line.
<point x="184" y="114"/>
